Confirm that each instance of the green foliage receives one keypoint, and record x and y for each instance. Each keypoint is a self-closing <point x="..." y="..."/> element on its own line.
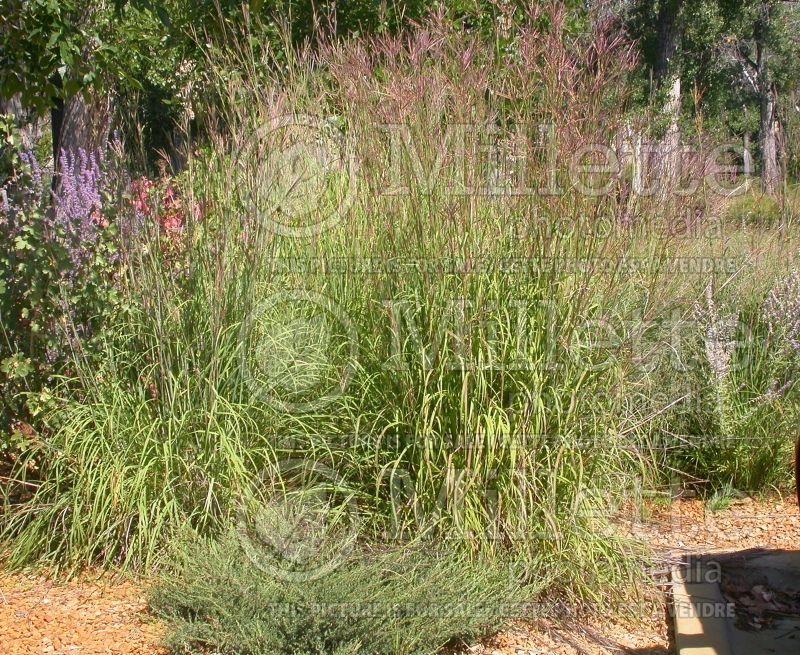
<point x="40" y="41"/>
<point x="55" y="49"/>
<point x="10" y="145"/>
<point x="44" y="316"/>
<point x="385" y="602"/>
<point x="774" y="24"/>
<point x="716" y="58"/>
<point x="738" y="431"/>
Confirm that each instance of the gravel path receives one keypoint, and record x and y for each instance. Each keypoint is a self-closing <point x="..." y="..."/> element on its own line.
<point x="102" y="616"/>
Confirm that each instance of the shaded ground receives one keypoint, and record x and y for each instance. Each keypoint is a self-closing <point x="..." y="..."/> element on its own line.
<point x="764" y="587"/>
<point x="91" y="616"/>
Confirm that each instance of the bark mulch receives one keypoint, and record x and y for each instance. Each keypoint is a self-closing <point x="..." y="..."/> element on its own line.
<point x="81" y="617"/>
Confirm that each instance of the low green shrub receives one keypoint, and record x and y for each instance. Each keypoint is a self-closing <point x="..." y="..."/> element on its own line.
<point x="389" y="602"/>
<point x="754" y="209"/>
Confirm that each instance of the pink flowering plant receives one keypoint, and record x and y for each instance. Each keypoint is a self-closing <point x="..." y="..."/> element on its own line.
<point x="156" y="211"/>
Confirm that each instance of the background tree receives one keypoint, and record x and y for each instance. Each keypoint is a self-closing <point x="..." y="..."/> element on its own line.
<point x="60" y="57"/>
<point x="736" y="57"/>
<point x="761" y="45"/>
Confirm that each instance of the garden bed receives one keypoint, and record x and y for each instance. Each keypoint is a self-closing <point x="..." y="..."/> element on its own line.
<point x="94" y="615"/>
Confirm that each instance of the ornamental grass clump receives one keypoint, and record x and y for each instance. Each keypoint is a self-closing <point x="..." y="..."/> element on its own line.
<point x="452" y="399"/>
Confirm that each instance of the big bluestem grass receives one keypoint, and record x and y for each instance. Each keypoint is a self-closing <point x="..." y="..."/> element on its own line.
<point x="488" y="369"/>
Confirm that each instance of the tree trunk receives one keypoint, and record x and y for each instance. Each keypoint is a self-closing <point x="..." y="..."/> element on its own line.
<point x="12" y="106"/>
<point x="768" y="105"/>
<point x="86" y="123"/>
<point x="768" y="141"/>
<point x="671" y="144"/>
<point x="668" y="38"/>
<point x="29" y="126"/>
<point x="56" y="126"/>
<point x="82" y="121"/>
<point x="747" y="158"/>
<point x="668" y="41"/>
<point x="78" y="124"/>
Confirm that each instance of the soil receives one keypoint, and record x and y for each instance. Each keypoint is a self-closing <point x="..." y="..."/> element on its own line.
<point x="94" y="615"/>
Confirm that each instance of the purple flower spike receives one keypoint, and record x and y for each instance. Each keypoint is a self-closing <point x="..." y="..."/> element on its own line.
<point x="78" y="203"/>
